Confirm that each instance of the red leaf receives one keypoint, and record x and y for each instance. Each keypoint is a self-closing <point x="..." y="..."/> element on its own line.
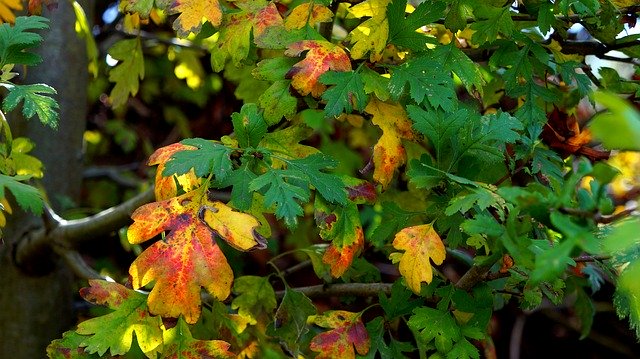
<point x="347" y="332"/>
<point x="322" y="57"/>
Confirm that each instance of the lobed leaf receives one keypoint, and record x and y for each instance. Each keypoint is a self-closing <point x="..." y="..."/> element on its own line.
<point x="192" y="12"/>
<point x="128" y="73"/>
<point x="347" y="331"/>
<point x="45" y="106"/>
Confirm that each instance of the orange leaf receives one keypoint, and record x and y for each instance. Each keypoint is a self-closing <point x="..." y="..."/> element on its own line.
<point x="347" y="331"/>
<point x="191" y="14"/>
<point x="340" y="259"/>
<point x="307" y="13"/>
<point x="188" y="258"/>
<point x="389" y="153"/>
<point x="322" y="57"/>
<point x="236" y="228"/>
<point x="419" y="243"/>
<point x="166" y="186"/>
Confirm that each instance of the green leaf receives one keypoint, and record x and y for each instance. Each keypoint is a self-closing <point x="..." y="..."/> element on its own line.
<point x="463" y="350"/>
<point x="482" y="224"/>
<point x="585" y="310"/>
<point x="620" y="127"/>
<point x="450" y="58"/>
<point x="399" y="303"/>
<point x="375" y="83"/>
<point x="394" y="350"/>
<point x="128" y="73"/>
<point x="179" y="343"/>
<point x="427" y="83"/>
<point x="393" y="220"/>
<point x="627" y="295"/>
<point x="553" y="261"/>
<point x="491" y="22"/>
<point x="249" y="126"/>
<point x="402" y="31"/>
<point x="241" y="195"/>
<point x="68" y="347"/>
<point x="34" y="103"/>
<point x="440" y="128"/>
<point x="480" y="197"/>
<point x="114" y="331"/>
<point x="278" y="102"/>
<point x="623" y="236"/>
<point x="209" y="157"/>
<point x="485" y="139"/>
<point x="254" y="297"/>
<point x="273" y="69"/>
<point x="283" y="188"/>
<point x="346" y="95"/>
<point x="435" y="325"/>
<point x="329" y="186"/>
<point x="28" y="197"/>
<point x="290" y="321"/>
<point x="17" y="39"/>
<point x="341" y="226"/>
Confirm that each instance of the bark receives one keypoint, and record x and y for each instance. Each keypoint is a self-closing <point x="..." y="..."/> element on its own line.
<point x="36" y="295"/>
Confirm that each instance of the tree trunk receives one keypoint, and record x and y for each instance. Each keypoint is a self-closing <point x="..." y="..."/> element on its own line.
<point x="36" y="297"/>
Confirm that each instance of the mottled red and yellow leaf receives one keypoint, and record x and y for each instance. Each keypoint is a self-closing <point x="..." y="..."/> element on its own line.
<point x="187" y="259"/>
<point x="307" y="13"/>
<point x="372" y="34"/>
<point x="321" y="57"/>
<point x="389" y="152"/>
<point x="179" y="343"/>
<point x="114" y="331"/>
<point x="165" y="187"/>
<point x="419" y="243"/>
<point x="236" y="228"/>
<point x="340" y="259"/>
<point x="347" y="331"/>
<point x="192" y="12"/>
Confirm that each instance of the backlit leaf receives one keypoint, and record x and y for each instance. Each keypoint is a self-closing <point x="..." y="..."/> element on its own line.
<point x="37" y="100"/>
<point x="372" y="34"/>
<point x="166" y="187"/>
<point x="114" y="331"/>
<point x="307" y="13"/>
<point x="321" y="57"/>
<point x="192" y="12"/>
<point x="179" y="343"/>
<point x="389" y="153"/>
<point x="128" y="72"/>
<point x="419" y="243"/>
<point x="347" y="332"/>
<point x="187" y="259"/>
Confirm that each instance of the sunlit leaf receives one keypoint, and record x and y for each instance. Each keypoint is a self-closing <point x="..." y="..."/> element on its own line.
<point x="128" y="73"/>
<point x="179" y="343"/>
<point x="192" y="12"/>
<point x="307" y="13"/>
<point x="372" y="34"/>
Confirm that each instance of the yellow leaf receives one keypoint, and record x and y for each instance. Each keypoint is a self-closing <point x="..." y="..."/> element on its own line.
<point x="371" y="35"/>
<point x="7" y="8"/>
<point x="191" y="14"/>
<point x="236" y="228"/>
<point x="389" y="153"/>
<point x="307" y="13"/>
<point x="166" y="187"/>
<point x="419" y="244"/>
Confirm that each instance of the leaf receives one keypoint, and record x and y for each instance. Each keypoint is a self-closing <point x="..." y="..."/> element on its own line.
<point x="285" y="143"/>
<point x="371" y="35"/>
<point x="321" y="57"/>
<point x="28" y="197"/>
<point x="622" y="117"/>
<point x="68" y="347"/>
<point x="347" y="332"/>
<point x="399" y="302"/>
<point x="485" y="139"/>
<point x="307" y="14"/>
<point x="491" y="21"/>
<point x="419" y="243"/>
<point x="346" y="95"/>
<point x="165" y="186"/>
<point x="376" y="330"/>
<point x="389" y="153"/>
<point x="626" y="298"/>
<point x="290" y="321"/>
<point x="436" y="325"/>
<point x="114" y="331"/>
<point x="450" y="58"/>
<point x="142" y="7"/>
<point x="343" y="228"/>
<point x="185" y="260"/>
<point x="192" y="12"/>
<point x="128" y="73"/>
<point x="393" y="220"/>
<point x="236" y="228"/>
<point x="45" y="106"/>
<point x="278" y="102"/>
<point x="239" y="27"/>
<point x="328" y="185"/>
<point x="208" y="157"/>
<point x="432" y="86"/>
<point x="249" y="126"/>
<point x="178" y="343"/>
<point x="463" y="349"/>
<point x="402" y="31"/>
<point x="17" y="39"/>
<point x="254" y="297"/>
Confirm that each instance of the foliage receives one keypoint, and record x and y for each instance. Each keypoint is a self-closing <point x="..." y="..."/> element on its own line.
<point x="450" y="140"/>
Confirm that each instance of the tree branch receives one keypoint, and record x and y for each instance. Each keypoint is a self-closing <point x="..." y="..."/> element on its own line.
<point x="477" y="273"/>
<point x="342" y="289"/>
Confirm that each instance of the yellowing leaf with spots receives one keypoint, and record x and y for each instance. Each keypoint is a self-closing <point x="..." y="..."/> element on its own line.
<point x="192" y="12"/>
<point x="114" y="331"/>
<point x="371" y="35"/>
<point x="236" y="33"/>
<point x="321" y="57"/>
<point x="236" y="228"/>
<point x="347" y="331"/>
<point x="8" y="9"/>
<point x="187" y="259"/>
<point x="179" y="343"/>
<point x="307" y="13"/>
<point x="419" y="243"/>
<point x="389" y="153"/>
<point x="166" y="187"/>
